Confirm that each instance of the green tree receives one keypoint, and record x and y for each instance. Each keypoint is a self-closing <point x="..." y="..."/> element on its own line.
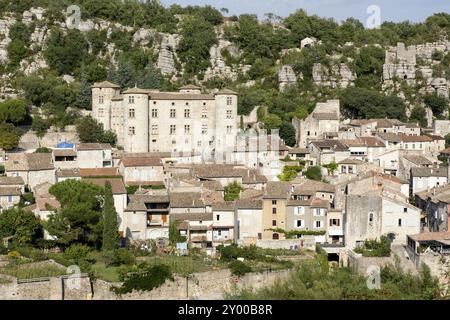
<point x="43" y="150"/>
<point x="84" y="94"/>
<point x="21" y="224"/>
<point x="287" y="133"/>
<point x="436" y="102"/>
<point x="447" y="140"/>
<point x="271" y="121"/>
<point x="13" y="110"/>
<point x="9" y="136"/>
<point x="39" y="125"/>
<point x="232" y="191"/>
<point x="89" y="130"/>
<point x="174" y="233"/>
<point x="314" y="173"/>
<point x="79" y="218"/>
<point x="331" y="167"/>
<point x="110" y="231"/>
<point x="419" y="114"/>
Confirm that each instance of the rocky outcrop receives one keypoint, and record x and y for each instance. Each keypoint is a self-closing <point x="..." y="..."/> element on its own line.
<point x="5" y="25"/>
<point x="339" y="75"/>
<point x="219" y="67"/>
<point x="29" y="16"/>
<point x="439" y="85"/>
<point x="166" y="62"/>
<point x="286" y="77"/>
<point x="400" y="62"/>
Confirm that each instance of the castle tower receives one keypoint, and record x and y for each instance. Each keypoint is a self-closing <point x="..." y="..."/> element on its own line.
<point x="226" y="120"/>
<point x="136" y="129"/>
<point x="102" y="95"/>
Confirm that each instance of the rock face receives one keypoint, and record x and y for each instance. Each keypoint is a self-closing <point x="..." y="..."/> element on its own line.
<point x="33" y="14"/>
<point x="400" y="62"/>
<point x="340" y="75"/>
<point x="5" y="25"/>
<point x="286" y="77"/>
<point x="439" y="85"/>
<point x="166" y="62"/>
<point x="218" y="67"/>
<point x="425" y="51"/>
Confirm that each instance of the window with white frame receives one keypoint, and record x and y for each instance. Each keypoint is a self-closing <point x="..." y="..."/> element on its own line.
<point x="299" y="210"/>
<point x="154" y="113"/>
<point x="318" y="224"/>
<point x="187" y="113"/>
<point x="154" y="129"/>
<point x="100" y="112"/>
<point x="173" y="129"/>
<point x="131" y="99"/>
<point x="100" y="100"/>
<point x="131" y="113"/>
<point x="131" y="131"/>
<point x="173" y="113"/>
<point x="229" y="101"/>
<point x="187" y="129"/>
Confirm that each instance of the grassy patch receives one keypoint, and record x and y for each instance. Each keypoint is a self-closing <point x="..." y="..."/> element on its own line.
<point x="30" y="270"/>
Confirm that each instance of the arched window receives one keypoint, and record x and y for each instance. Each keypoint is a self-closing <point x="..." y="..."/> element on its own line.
<point x="275" y="236"/>
<point x="370" y="217"/>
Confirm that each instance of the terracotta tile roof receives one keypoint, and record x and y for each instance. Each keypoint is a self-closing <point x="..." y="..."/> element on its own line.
<point x="136" y="161"/>
<point x="68" y="173"/>
<point x="372" y="142"/>
<point x="99" y="172"/>
<point x="332" y="144"/>
<point x="10" y="191"/>
<point x="406" y="138"/>
<point x="179" y="96"/>
<point x="419" y="160"/>
<point x="249" y="204"/>
<point x="105" y="84"/>
<point x="64" y="153"/>
<point x="351" y="161"/>
<point x="116" y="184"/>
<point x="7" y="181"/>
<point x="430" y="236"/>
<point x="277" y="190"/>
<point x="195" y="216"/>
<point x="50" y="201"/>
<point x="299" y="150"/>
<point x="429" y="172"/>
<point x="93" y="146"/>
<point x="311" y="186"/>
<point x="186" y="200"/>
<point x="29" y="162"/>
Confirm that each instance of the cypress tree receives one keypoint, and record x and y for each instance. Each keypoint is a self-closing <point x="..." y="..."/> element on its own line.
<point x="110" y="234"/>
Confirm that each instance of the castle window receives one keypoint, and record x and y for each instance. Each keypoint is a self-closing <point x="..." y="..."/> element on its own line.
<point x="100" y="99"/>
<point x="205" y="129"/>
<point x="100" y="112"/>
<point x="172" y="113"/>
<point x="229" y="101"/>
<point x="187" y="129"/>
<point x="229" y="114"/>
<point x="187" y="113"/>
<point x="131" y="131"/>
<point x="154" y="113"/>
<point x="131" y="113"/>
<point x="173" y="129"/>
<point x="155" y="129"/>
<point x="131" y="99"/>
<point x="199" y="143"/>
<point x="229" y="129"/>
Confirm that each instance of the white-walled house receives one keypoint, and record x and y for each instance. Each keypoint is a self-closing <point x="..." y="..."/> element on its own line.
<point x="94" y="155"/>
<point x="34" y="168"/>
<point x="423" y="179"/>
<point x="223" y="223"/>
<point x="248" y="221"/>
<point x="141" y="169"/>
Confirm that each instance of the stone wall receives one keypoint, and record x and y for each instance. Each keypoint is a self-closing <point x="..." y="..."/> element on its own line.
<point x="205" y="285"/>
<point x="359" y="264"/>
<point x="30" y="141"/>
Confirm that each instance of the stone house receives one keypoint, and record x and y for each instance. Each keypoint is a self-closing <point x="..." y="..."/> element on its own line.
<point x="423" y="178"/>
<point x="67" y="174"/>
<point x="374" y="214"/>
<point x="274" y="209"/>
<point x="223" y="225"/>
<point x="412" y="161"/>
<point x="139" y="169"/>
<point x="324" y="120"/>
<point x="147" y="216"/>
<point x="33" y="168"/>
<point x="94" y="155"/>
<point x="335" y="228"/>
<point x="45" y="206"/>
<point x="9" y="197"/>
<point x="327" y="151"/>
<point x="65" y="158"/>
<point x="302" y="154"/>
<point x="307" y="215"/>
<point x="248" y="223"/>
<point x="12" y="182"/>
<point x="436" y="204"/>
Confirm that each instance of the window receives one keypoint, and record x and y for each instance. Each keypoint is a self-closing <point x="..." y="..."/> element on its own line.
<point x="154" y="113"/>
<point x="299" y="210"/>
<point x="229" y="114"/>
<point x="131" y="113"/>
<point x="131" y="99"/>
<point x="275" y="236"/>
<point x="350" y="169"/>
<point x="307" y="133"/>
<point x="344" y="169"/>
<point x="229" y="129"/>
<point x="100" y="99"/>
<point x="9" y="198"/>
<point x="405" y="209"/>
<point x="131" y="131"/>
<point x="218" y="217"/>
<point x="318" y="224"/>
<point x="298" y="223"/>
<point x="199" y="143"/>
<point x="335" y="222"/>
<point x="187" y="129"/>
<point x="229" y="101"/>
<point x="274" y="223"/>
<point x="173" y="129"/>
<point x="371" y="217"/>
<point x="100" y="112"/>
<point x="173" y="113"/>
<point x="205" y="129"/>
<point x="399" y="222"/>
<point x="154" y="129"/>
<point x="274" y="202"/>
<point x="187" y="113"/>
<point x="274" y="210"/>
<point x="219" y="232"/>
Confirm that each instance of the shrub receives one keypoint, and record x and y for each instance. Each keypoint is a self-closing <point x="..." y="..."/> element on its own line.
<point x="239" y="268"/>
<point x="3" y="249"/>
<point x="77" y="253"/>
<point x="375" y="248"/>
<point x="119" y="257"/>
<point x="146" y="278"/>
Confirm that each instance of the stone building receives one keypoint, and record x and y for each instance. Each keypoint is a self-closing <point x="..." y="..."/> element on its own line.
<point x="400" y="62"/>
<point x="147" y="120"/>
<point x="321" y="123"/>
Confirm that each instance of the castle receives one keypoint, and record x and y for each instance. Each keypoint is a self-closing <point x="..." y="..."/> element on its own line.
<point x="147" y="120"/>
